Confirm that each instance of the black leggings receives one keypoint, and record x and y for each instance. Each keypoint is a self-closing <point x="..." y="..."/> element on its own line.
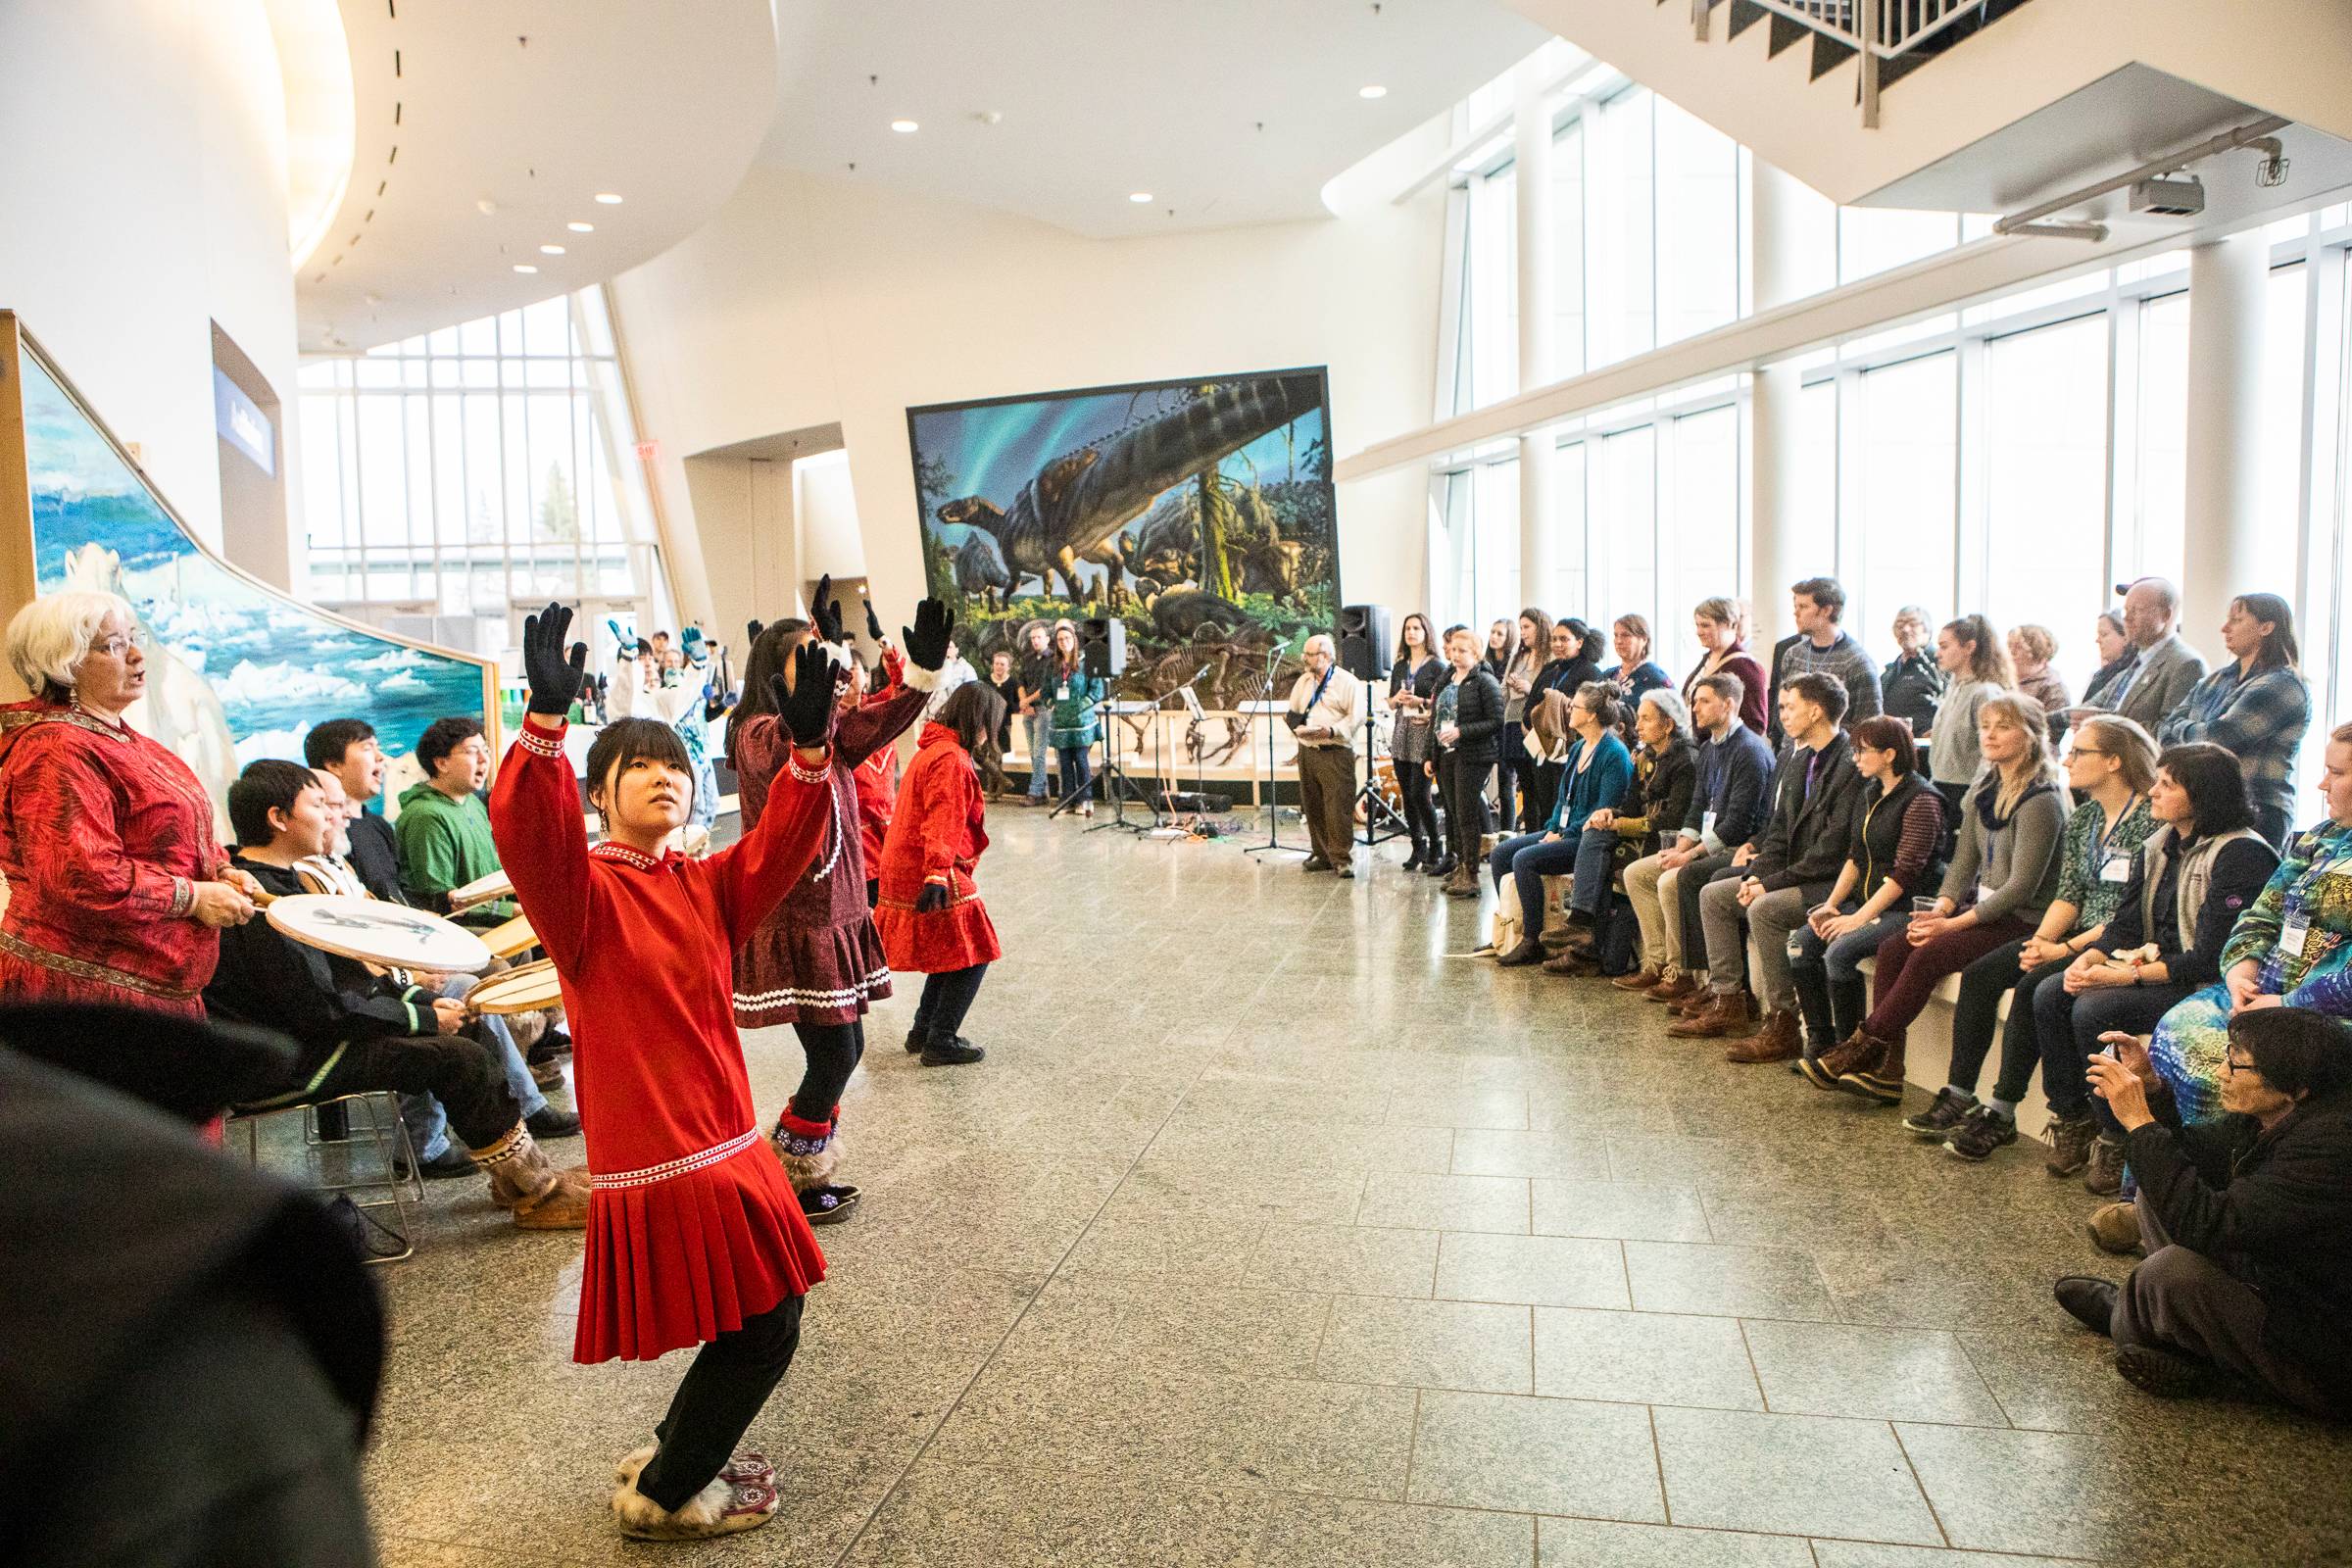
<point x="1420" y="810"/>
<point x="1466" y="805"/>
<point x="833" y="1050"/>
<point x="946" y="997"/>
<point x="730" y="1378"/>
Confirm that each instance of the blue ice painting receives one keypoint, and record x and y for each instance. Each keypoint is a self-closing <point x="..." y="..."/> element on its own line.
<point x="235" y="670"/>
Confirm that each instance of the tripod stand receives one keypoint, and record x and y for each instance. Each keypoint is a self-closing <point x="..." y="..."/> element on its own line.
<point x="1117" y="788"/>
<point x="1268" y="708"/>
<point x="1376" y="804"/>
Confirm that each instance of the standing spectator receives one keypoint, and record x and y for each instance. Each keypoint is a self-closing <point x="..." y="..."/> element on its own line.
<point x="1037" y="683"/>
<point x="1008" y="688"/>
<point x="115" y="882"/>
<point x="1598" y="768"/>
<point x="1817" y="605"/>
<point x="1912" y="684"/>
<point x="1500" y="649"/>
<point x="1896" y="848"/>
<point x="2003" y="875"/>
<point x="1970" y="651"/>
<point x="2257" y="706"/>
<point x="1073" y="724"/>
<point x="444" y="828"/>
<point x="1412" y="687"/>
<point x="2030" y="649"/>
<point x="1633" y="671"/>
<point x="1466" y="737"/>
<point x="1528" y="656"/>
<point x="2116" y="660"/>
<point x="1717" y="624"/>
<point x="1445" y="697"/>
<point x="2163" y="667"/>
<point x="1327" y="705"/>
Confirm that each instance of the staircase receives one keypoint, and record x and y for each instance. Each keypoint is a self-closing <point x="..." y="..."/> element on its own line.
<point x="1891" y="37"/>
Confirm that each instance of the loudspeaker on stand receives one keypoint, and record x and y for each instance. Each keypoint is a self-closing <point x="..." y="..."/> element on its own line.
<point x="1363" y="639"/>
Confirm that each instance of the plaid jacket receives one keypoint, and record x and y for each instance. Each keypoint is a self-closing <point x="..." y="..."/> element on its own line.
<point x="2260" y="717"/>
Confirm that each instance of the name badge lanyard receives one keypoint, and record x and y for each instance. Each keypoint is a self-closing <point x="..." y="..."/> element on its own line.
<point x="2294" y="924"/>
<point x="2100" y="835"/>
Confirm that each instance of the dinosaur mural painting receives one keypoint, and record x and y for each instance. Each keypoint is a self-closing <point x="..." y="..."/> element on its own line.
<point x="1189" y="509"/>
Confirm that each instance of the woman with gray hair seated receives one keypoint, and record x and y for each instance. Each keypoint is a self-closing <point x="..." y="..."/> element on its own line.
<point x="117" y="881"/>
<point x="1657" y="797"/>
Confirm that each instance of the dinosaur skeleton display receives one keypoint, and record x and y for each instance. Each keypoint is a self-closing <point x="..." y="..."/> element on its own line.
<point x="1234" y="672"/>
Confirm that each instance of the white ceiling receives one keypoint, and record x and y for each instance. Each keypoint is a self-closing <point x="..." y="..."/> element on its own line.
<point x="1227" y="111"/>
<point x="533" y="105"/>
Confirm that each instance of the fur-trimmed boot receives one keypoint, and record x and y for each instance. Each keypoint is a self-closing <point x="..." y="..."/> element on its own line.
<point x="736" y="1499"/>
<point x="525" y="1183"/>
<point x="810" y="1152"/>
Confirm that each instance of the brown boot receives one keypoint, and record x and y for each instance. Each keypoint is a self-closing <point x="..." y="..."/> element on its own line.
<point x="1646" y="980"/>
<point x="1724" y="1014"/>
<point x="525" y="1183"/>
<point x="1696" y="1002"/>
<point x="1858" y="1050"/>
<point x="1570" y="962"/>
<point x="1782" y="1038"/>
<point x="1681" y="986"/>
<point x="1883" y="1078"/>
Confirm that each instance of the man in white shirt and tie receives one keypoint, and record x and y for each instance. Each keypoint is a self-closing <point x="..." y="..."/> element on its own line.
<point x="1327" y="707"/>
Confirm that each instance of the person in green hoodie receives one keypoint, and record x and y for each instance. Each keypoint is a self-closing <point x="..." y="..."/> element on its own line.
<point x="444" y="829"/>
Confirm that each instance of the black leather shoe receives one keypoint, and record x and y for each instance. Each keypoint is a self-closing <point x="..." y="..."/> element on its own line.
<point x="955" y="1053"/>
<point x="1315" y="862"/>
<point x="1529" y="950"/>
<point x="2089" y="1301"/>
<point x="548" y="1122"/>
<point x="450" y="1163"/>
<point x="2166" y="1374"/>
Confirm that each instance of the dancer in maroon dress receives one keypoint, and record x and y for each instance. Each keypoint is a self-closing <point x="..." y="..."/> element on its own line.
<point x="694" y="1234"/>
<point x="116" y="881"/>
<point x="930" y="913"/>
<point x="815" y="962"/>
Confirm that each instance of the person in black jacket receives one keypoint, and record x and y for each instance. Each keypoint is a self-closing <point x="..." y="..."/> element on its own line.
<point x="1468" y="728"/>
<point x="1567" y="673"/>
<point x="2248" y="1218"/>
<point x="1412" y="688"/>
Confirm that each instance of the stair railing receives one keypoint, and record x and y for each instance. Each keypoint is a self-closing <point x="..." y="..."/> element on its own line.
<point x="1877" y="31"/>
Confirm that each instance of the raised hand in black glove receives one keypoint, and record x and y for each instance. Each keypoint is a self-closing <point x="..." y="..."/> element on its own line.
<point x="750" y="634"/>
<point x="555" y="679"/>
<point x="933" y="897"/>
<point x="805" y="708"/>
<point x="874" y="622"/>
<point x="926" y="641"/>
<point x="825" y="612"/>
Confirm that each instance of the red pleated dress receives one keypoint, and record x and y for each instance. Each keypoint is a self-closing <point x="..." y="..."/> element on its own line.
<point x="938" y="834"/>
<point x="692" y="1225"/>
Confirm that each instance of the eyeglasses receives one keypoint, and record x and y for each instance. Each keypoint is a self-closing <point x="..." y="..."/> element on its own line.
<point x="2237" y="1064"/>
<point x="119" y="647"/>
<point x="2087" y="750"/>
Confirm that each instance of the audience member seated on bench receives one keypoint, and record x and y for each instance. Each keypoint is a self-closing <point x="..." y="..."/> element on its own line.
<point x="2003" y="875"/>
<point x="2190" y="882"/>
<point x="1893" y="853"/>
<point x="1733" y="791"/>
<point x="2248" y="1218"/>
<point x="358" y="1033"/>
<point x="2110" y="768"/>
<point x="1656" y="799"/>
<point x="1595" y="771"/>
<point x="1790" y="867"/>
<point x="444" y="828"/>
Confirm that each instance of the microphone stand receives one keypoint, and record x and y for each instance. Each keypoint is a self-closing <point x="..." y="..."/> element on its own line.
<point x="1273" y="807"/>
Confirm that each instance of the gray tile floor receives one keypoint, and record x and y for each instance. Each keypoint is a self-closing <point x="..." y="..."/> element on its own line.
<point x="1272" y="1232"/>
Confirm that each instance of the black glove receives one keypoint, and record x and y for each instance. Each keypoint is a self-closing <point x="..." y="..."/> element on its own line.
<point x="824" y="613"/>
<point x="806" y="709"/>
<point x="933" y="897"/>
<point x="751" y="630"/>
<point x="555" y="681"/>
<point x="926" y="641"/>
<point x="874" y="622"/>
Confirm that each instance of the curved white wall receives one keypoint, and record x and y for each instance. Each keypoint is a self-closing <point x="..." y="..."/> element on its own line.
<point x="142" y="198"/>
<point x="810" y="301"/>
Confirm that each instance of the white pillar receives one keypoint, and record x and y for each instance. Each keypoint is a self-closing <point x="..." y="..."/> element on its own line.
<point x="1538" y="559"/>
<point x="2227" y="287"/>
<point x="1775" y="245"/>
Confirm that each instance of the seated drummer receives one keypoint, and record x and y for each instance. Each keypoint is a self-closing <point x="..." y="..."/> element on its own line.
<point x="358" y="1033"/>
<point x="444" y="827"/>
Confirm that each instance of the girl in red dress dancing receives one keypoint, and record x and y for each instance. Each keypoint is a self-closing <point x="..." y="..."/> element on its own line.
<point x="815" y="962"/>
<point x="930" y="914"/>
<point x="694" y="1234"/>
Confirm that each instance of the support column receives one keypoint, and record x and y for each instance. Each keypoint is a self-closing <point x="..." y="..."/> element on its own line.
<point x="1539" y="556"/>
<point x="1775" y="245"/>
<point x="2227" y="289"/>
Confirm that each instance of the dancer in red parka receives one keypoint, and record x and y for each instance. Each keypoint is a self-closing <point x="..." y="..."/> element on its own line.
<point x="815" y="962"/>
<point x="694" y="1234"/>
<point x="930" y="914"/>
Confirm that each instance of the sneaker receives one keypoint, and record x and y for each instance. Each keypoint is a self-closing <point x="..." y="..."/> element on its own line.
<point x="548" y="1122"/>
<point x="2070" y="1144"/>
<point x="1984" y="1130"/>
<point x="1945" y="1112"/>
<point x="2105" y="1173"/>
<point x="2115" y="1228"/>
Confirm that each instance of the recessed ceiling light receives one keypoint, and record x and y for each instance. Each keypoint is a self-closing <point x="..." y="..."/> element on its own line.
<point x="1376" y="90"/>
<point x="607" y="198"/>
<point x="581" y="229"/>
<point x="524" y="267"/>
<point x="551" y="250"/>
<point x="904" y="127"/>
<point x="1139" y="196"/>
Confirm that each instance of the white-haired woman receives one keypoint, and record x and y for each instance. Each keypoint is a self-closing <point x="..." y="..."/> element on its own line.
<point x="117" y="882"/>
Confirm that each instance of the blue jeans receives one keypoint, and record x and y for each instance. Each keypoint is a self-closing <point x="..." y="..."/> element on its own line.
<point x="428" y="1123"/>
<point x="1595" y="852"/>
<point x="1076" y="775"/>
<point x="1843" y="957"/>
<point x="1528" y="859"/>
<point x="1035" y="724"/>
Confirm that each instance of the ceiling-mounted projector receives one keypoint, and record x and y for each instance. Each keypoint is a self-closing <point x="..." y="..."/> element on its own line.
<point x="2170" y="196"/>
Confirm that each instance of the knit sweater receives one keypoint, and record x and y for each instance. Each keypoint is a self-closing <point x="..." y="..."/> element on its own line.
<point x="1843" y="662"/>
<point x="1952" y="754"/>
<point x="2011" y="861"/>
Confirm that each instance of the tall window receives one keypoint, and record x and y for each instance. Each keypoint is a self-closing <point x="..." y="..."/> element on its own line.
<point x="1906" y="489"/>
<point x="2045" y="485"/>
<point x="1704" y="558"/>
<point x="478" y="468"/>
<point x="1629" y="541"/>
<point x="2159" y="445"/>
